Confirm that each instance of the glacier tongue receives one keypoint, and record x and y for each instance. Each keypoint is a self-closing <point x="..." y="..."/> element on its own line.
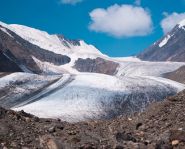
<point x="97" y="96"/>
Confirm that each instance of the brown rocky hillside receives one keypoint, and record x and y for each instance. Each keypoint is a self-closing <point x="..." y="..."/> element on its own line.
<point x="161" y="126"/>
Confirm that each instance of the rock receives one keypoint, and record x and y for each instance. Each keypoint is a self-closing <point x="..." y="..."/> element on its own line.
<point x="51" y="129"/>
<point x="118" y="147"/>
<point x="175" y="142"/>
<point x="4" y="129"/>
<point x="27" y="119"/>
<point x="36" y="119"/>
<point x="61" y="127"/>
<point x="88" y="146"/>
<point x="129" y="119"/>
<point x="72" y="132"/>
<point x="138" y="125"/>
<point x="97" y="65"/>
<point x="122" y="136"/>
<point x="49" y="142"/>
<point x="177" y="135"/>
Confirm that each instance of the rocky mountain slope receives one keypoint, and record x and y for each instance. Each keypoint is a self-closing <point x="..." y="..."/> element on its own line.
<point x="170" y="48"/>
<point x="38" y="52"/>
<point x="22" y="52"/>
<point x="7" y="64"/>
<point x="177" y="75"/>
<point x="160" y="126"/>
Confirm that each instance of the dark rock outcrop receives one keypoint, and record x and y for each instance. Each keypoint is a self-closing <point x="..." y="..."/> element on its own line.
<point x="7" y="64"/>
<point x="97" y="65"/>
<point x="173" y="50"/>
<point x="66" y="41"/>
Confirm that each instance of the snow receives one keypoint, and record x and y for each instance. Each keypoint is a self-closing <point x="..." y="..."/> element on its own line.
<point x="144" y="68"/>
<point x="182" y="23"/>
<point x="4" y="30"/>
<point x="39" y="38"/>
<point x="164" y="41"/>
<point x="88" y="95"/>
<point x="64" y="79"/>
<point x="52" y="42"/>
<point x="127" y="59"/>
<point x="21" y="84"/>
<point x="49" y="68"/>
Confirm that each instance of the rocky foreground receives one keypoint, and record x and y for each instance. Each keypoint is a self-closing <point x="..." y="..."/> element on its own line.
<point x="161" y="126"/>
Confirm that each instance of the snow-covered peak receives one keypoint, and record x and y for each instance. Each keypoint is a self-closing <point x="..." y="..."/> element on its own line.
<point x="164" y="41"/>
<point x="39" y="38"/>
<point x="182" y="23"/>
<point x="52" y="43"/>
<point x="86" y="48"/>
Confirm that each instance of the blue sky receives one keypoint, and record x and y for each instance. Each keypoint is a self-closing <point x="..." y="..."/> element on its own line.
<point x="118" y="28"/>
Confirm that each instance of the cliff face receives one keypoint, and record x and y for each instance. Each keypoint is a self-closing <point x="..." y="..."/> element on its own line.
<point x="7" y="64"/>
<point x="97" y="65"/>
<point x="160" y="126"/>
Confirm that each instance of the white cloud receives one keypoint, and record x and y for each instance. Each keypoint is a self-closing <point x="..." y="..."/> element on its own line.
<point x="72" y="2"/>
<point x="121" y="21"/>
<point x="171" y="20"/>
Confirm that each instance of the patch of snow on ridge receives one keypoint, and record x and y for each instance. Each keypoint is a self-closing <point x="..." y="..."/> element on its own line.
<point x="182" y="23"/>
<point x="85" y="48"/>
<point x="127" y="59"/>
<point x="164" y="41"/>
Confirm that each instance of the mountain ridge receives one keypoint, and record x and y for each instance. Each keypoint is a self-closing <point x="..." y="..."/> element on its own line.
<point x="171" y="47"/>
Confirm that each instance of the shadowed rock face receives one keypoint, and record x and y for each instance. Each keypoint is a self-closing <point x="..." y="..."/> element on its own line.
<point x="23" y="52"/>
<point x="8" y="65"/>
<point x="66" y="41"/>
<point x="177" y="75"/>
<point x="173" y="50"/>
<point x="97" y="65"/>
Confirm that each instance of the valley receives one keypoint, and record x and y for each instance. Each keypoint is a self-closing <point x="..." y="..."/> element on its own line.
<point x="78" y="97"/>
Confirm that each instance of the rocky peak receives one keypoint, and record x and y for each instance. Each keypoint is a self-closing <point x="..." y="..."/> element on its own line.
<point x="171" y="47"/>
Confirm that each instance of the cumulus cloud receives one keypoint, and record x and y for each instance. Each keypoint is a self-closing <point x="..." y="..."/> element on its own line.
<point x="121" y="21"/>
<point x="170" y="20"/>
<point x="72" y="2"/>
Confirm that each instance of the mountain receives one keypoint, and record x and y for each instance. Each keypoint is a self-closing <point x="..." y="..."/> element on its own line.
<point x="160" y="126"/>
<point x="38" y="52"/>
<point x="170" y="48"/>
<point x="74" y="81"/>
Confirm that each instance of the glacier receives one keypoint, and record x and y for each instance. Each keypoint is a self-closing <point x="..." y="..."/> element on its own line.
<point x="63" y="92"/>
